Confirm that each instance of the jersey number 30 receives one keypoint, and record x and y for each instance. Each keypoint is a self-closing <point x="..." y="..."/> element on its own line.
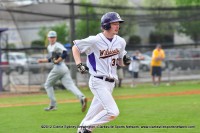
<point x="114" y="62"/>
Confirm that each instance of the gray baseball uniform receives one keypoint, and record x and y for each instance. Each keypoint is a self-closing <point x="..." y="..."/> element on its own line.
<point x="60" y="72"/>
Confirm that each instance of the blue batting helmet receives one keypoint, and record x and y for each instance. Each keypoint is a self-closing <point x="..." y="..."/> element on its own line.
<point x="108" y="18"/>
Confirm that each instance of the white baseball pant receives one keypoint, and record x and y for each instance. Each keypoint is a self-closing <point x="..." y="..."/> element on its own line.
<point x="103" y="107"/>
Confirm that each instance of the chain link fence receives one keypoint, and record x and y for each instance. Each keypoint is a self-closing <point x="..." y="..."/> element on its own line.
<point x="29" y="76"/>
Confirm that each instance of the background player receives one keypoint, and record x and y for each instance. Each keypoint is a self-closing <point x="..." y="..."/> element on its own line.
<point x="158" y="56"/>
<point x="104" y="51"/>
<point x="135" y="66"/>
<point x="58" y="53"/>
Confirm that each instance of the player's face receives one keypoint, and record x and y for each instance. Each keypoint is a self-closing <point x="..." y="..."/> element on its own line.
<point x="115" y="27"/>
<point x="52" y="40"/>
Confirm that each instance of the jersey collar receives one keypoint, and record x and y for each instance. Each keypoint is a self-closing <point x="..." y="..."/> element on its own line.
<point x="106" y="39"/>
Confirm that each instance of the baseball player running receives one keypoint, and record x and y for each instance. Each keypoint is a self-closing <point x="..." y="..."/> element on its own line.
<point x="104" y="51"/>
<point x="60" y="71"/>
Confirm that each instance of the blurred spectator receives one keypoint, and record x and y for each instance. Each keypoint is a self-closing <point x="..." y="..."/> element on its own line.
<point x="135" y="65"/>
<point x="158" y="56"/>
<point x="120" y="74"/>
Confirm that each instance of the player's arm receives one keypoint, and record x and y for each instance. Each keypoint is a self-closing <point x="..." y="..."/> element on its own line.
<point x="60" y="58"/>
<point x="163" y="55"/>
<point x="160" y="58"/>
<point x="124" y="59"/>
<point x="42" y="60"/>
<point x="141" y="57"/>
<point x="76" y="54"/>
<point x="154" y="56"/>
<point x="77" y="58"/>
<point x="120" y="62"/>
<point x="137" y="58"/>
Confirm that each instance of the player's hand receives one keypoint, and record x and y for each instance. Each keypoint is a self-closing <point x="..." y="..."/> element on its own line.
<point x="55" y="57"/>
<point x="39" y="61"/>
<point x="55" y="61"/>
<point x="82" y="68"/>
<point x="126" y="60"/>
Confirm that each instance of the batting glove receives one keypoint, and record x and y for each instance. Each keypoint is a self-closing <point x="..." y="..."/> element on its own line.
<point x="82" y="68"/>
<point x="126" y="60"/>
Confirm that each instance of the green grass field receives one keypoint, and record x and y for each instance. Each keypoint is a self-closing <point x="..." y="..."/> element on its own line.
<point x="143" y="109"/>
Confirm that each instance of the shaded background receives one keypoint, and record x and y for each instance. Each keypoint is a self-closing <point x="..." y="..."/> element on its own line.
<point x="24" y="24"/>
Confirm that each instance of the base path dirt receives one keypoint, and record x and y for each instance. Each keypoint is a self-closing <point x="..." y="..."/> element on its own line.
<point x="191" y="92"/>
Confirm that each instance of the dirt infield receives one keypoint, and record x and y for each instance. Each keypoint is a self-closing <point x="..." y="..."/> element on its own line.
<point x="8" y="94"/>
<point x="192" y="92"/>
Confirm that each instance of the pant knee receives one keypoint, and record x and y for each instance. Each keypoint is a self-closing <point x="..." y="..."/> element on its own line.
<point x="114" y="114"/>
<point x="46" y="86"/>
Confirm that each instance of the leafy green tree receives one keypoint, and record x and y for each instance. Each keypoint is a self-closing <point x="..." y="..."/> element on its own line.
<point x="37" y="43"/>
<point x="43" y="32"/>
<point x="92" y="27"/>
<point x="11" y="45"/>
<point x="62" y="35"/>
<point x="163" y="29"/>
<point x="191" y="27"/>
<point x="86" y="27"/>
<point x="135" y="40"/>
<point x="187" y="2"/>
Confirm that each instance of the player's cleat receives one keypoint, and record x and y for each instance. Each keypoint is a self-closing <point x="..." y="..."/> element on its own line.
<point x="50" y="108"/>
<point x="84" y="130"/>
<point x="84" y="104"/>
